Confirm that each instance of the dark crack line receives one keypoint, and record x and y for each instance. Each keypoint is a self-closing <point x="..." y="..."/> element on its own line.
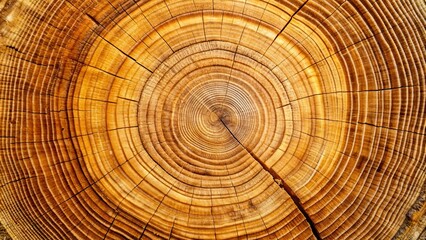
<point x="281" y="183"/>
<point x="291" y="18"/>
<point x="93" y="19"/>
<point x="171" y="230"/>
<point x="13" y="48"/>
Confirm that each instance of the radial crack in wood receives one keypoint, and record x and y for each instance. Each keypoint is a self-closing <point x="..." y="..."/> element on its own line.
<point x="279" y="181"/>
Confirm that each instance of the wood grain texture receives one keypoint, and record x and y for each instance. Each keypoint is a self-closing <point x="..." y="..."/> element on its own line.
<point x="208" y="119"/>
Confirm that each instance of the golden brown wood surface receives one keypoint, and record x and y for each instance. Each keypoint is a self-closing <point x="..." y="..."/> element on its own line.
<point x="213" y="119"/>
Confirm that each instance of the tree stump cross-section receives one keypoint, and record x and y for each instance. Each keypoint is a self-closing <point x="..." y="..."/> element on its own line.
<point x="213" y="119"/>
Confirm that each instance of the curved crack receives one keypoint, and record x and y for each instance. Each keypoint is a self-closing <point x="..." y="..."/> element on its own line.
<point x="281" y="183"/>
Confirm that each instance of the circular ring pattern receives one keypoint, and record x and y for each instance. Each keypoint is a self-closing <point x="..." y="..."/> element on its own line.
<point x="194" y="119"/>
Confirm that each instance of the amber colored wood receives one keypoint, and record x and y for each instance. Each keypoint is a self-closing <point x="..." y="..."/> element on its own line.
<point x="212" y="119"/>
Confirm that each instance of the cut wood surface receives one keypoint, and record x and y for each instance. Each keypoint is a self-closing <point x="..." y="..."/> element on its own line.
<point x="213" y="119"/>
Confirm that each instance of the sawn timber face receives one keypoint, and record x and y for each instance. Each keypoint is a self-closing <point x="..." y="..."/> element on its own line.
<point x="208" y="119"/>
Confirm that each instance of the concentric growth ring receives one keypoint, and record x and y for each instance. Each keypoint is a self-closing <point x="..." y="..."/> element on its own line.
<point x="215" y="119"/>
